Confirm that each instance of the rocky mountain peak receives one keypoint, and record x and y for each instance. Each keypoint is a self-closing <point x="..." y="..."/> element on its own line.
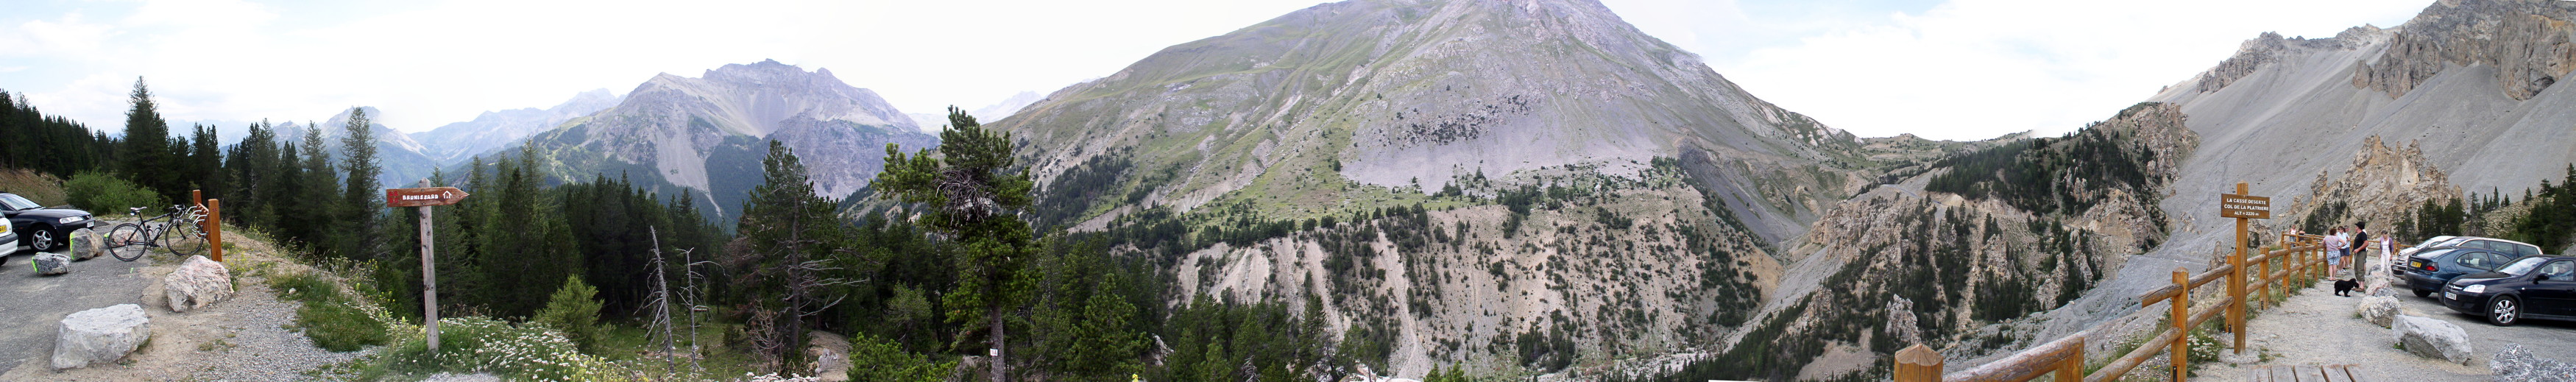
<point x="2530" y="43"/>
<point x="2383" y="182"/>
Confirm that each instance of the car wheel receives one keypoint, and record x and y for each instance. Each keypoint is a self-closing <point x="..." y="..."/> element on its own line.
<point x="40" y="239"/>
<point x="2423" y="293"/>
<point x="2504" y="311"/>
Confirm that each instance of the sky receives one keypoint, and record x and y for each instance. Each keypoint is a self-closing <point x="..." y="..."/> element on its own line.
<point x="1958" y="69"/>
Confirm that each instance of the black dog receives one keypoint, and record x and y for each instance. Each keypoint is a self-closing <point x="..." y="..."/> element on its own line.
<point x="2344" y="288"/>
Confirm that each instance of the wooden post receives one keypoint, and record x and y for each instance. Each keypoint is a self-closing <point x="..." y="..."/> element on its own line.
<point x="215" y="228"/>
<point x="1918" y="364"/>
<point x="2236" y="283"/>
<point x="424" y="198"/>
<point x="2181" y="323"/>
<point x="428" y="279"/>
<point x="2071" y="369"/>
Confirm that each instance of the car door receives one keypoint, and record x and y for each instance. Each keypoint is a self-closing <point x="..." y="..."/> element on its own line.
<point x="2553" y="291"/>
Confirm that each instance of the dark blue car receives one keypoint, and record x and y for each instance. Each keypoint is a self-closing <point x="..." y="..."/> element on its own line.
<point x="2430" y="269"/>
<point x="2533" y="287"/>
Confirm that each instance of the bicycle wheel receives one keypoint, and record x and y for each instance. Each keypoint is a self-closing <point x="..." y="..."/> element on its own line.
<point x="127" y="242"/>
<point x="183" y="239"/>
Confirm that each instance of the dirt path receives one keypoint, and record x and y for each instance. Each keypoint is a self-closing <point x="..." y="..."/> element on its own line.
<point x="246" y="338"/>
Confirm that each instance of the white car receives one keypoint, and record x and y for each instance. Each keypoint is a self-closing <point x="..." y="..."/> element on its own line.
<point x="8" y="238"/>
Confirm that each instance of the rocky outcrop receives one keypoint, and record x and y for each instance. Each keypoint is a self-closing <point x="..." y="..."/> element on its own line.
<point x="52" y="263"/>
<point x="2269" y="47"/>
<point x="2376" y="309"/>
<point x="100" y="335"/>
<point x="2431" y="338"/>
<point x="2527" y="41"/>
<point x="197" y="284"/>
<point x="2383" y="184"/>
<point x="2515" y="364"/>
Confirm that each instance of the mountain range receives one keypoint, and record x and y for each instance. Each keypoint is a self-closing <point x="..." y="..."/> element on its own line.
<point x="494" y="130"/>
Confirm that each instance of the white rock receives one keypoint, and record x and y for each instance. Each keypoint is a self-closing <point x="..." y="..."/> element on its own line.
<point x="52" y="263"/>
<point x="2377" y="309"/>
<point x="100" y="335"/>
<point x="197" y="284"/>
<point x="86" y="244"/>
<point x="2432" y="338"/>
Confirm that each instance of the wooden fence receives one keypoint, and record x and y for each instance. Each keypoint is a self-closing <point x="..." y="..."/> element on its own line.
<point x="2300" y="262"/>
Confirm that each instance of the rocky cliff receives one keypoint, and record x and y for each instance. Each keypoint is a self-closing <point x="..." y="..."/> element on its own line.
<point x="2384" y="184"/>
<point x="2526" y="41"/>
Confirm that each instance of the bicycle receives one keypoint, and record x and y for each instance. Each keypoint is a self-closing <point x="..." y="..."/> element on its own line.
<point x="128" y="241"/>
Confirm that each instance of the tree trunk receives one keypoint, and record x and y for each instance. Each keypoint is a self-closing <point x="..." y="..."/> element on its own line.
<point x="996" y="317"/>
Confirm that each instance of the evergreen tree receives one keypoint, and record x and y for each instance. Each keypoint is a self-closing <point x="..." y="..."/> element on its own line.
<point x="145" y="155"/>
<point x="251" y="168"/>
<point x="525" y="245"/>
<point x="319" y="186"/>
<point x="359" y="238"/>
<point x="789" y="230"/>
<point x="971" y="195"/>
<point x="206" y="163"/>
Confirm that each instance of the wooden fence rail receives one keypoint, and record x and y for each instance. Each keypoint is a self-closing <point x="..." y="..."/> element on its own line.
<point x="2299" y="262"/>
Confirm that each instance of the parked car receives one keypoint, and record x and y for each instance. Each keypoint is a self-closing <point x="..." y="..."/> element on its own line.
<point x="2499" y="245"/>
<point x="2533" y="287"/>
<point x="2430" y="269"/>
<point x="42" y="228"/>
<point x="8" y="237"/>
<point x="2436" y="241"/>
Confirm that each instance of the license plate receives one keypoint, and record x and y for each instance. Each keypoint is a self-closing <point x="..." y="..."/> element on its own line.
<point x="2450" y="296"/>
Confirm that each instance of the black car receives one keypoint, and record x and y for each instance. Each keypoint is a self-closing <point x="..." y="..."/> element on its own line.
<point x="2429" y="269"/>
<point x="2534" y="287"/>
<point x="41" y="228"/>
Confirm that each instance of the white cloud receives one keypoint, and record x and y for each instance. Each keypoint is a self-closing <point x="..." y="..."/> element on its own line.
<point x="1964" y="69"/>
<point x="1973" y="69"/>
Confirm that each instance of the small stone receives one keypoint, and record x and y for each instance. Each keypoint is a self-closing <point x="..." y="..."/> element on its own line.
<point x="53" y="263"/>
<point x="100" y="335"/>
<point x="197" y="284"/>
<point x="2432" y="338"/>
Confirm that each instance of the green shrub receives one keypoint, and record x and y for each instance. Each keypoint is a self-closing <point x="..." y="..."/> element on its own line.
<point x="106" y="195"/>
<point x="879" y="360"/>
<point x="484" y="345"/>
<point x="574" y="309"/>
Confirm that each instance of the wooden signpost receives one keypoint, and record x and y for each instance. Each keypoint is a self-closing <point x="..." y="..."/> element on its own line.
<point x="425" y="198"/>
<point x="2242" y="207"/>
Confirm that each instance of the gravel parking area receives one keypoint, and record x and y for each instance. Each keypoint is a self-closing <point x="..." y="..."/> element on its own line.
<point x="249" y="337"/>
<point x="36" y="303"/>
<point x="2318" y="328"/>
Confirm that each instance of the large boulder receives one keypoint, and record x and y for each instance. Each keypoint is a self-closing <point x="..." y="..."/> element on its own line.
<point x="2517" y="365"/>
<point x="86" y="244"/>
<point x="2377" y="309"/>
<point x="52" y="263"/>
<point x="198" y="283"/>
<point x="2432" y="338"/>
<point x="100" y="335"/>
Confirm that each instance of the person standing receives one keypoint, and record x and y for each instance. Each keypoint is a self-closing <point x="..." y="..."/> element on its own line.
<point x="2360" y="248"/>
<point x="2335" y="246"/>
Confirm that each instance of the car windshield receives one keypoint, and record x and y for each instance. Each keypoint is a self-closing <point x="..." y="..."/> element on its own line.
<point x="2433" y="241"/>
<point x="2436" y="254"/>
<point x="14" y="203"/>
<point x="2522" y="266"/>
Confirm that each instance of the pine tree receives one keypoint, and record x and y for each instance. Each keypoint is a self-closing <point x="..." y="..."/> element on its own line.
<point x="251" y="169"/>
<point x="358" y="200"/>
<point x="206" y="163"/>
<point x="319" y="185"/>
<point x="972" y="196"/>
<point x="790" y="230"/>
<point x="146" y="152"/>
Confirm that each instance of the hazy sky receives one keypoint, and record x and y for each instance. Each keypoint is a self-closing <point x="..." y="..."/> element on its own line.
<point x="1959" y="69"/>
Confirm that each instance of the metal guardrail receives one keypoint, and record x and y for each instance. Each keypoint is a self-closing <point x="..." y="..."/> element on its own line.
<point x="2298" y="263"/>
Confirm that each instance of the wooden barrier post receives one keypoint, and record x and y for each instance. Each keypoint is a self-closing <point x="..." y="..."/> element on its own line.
<point x="1918" y="364"/>
<point x="215" y="228"/>
<point x="2071" y="369"/>
<point x="2242" y="206"/>
<point x="2181" y="323"/>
